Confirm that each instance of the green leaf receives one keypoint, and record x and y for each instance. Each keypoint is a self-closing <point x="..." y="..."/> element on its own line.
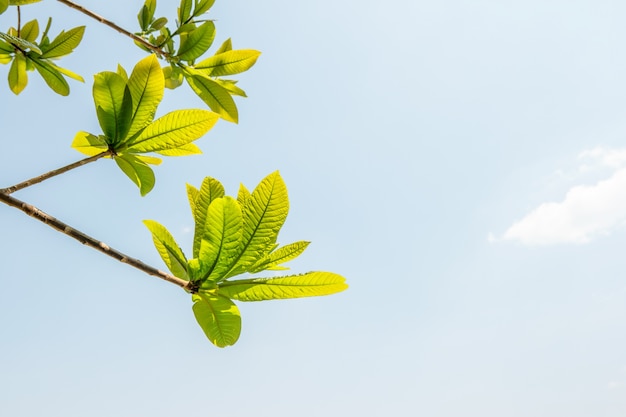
<point x="17" y="74"/>
<point x="218" y="317"/>
<point x="4" y="5"/>
<point x="221" y="235"/>
<point x="229" y="63"/>
<point x="185" y="150"/>
<point x="210" y="190"/>
<point x="214" y="95"/>
<point x="51" y="76"/>
<point x="146" y="85"/>
<point x="197" y="42"/>
<point x="138" y="171"/>
<point x="202" y="6"/>
<point x="146" y="14"/>
<point x="263" y="215"/>
<point x="231" y="87"/>
<point x="89" y="144"/>
<point x="184" y="11"/>
<point x="64" y="43"/>
<point x="173" y="77"/>
<point x="311" y="284"/>
<point x="6" y="48"/>
<point x="169" y="250"/>
<point x="173" y="130"/>
<point x="30" y="31"/>
<point x="5" y="58"/>
<point x="279" y="256"/>
<point x="192" y="194"/>
<point x="19" y="42"/>
<point x="68" y="73"/>
<point x="113" y="105"/>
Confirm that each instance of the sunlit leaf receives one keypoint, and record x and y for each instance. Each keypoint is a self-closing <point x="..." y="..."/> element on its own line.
<point x="173" y="130"/>
<point x="169" y="250"/>
<point x="210" y="190"/>
<point x="30" y="31"/>
<point x="279" y="256"/>
<point x="218" y="317"/>
<point x="22" y="2"/>
<point x="221" y="233"/>
<point x="89" y="144"/>
<point x="19" y="42"/>
<point x="263" y="215"/>
<point x="184" y="11"/>
<point x="202" y="6"/>
<point x="146" y="85"/>
<point x="311" y="284"/>
<point x="185" y="150"/>
<point x="229" y="62"/>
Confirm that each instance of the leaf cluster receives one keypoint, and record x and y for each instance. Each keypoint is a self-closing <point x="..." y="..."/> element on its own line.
<point x="234" y="237"/>
<point x="125" y="107"/>
<point x="186" y="42"/>
<point x="20" y="48"/>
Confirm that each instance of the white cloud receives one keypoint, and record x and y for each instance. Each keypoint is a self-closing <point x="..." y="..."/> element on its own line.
<point x="586" y="212"/>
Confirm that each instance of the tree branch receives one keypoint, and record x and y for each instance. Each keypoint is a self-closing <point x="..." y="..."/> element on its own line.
<point x="93" y="243"/>
<point x="52" y="173"/>
<point x="112" y="25"/>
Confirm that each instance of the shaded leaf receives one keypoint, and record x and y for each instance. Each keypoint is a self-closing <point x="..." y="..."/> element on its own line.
<point x="311" y="284"/>
<point x="138" y="171"/>
<point x="214" y="95"/>
<point x="113" y="105"/>
<point x="19" y="42"/>
<point x="218" y="317"/>
<point x="52" y="77"/>
<point x="197" y="42"/>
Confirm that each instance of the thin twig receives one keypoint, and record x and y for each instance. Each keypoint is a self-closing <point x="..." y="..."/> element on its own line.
<point x="112" y="25"/>
<point x="91" y="242"/>
<point x="52" y="173"/>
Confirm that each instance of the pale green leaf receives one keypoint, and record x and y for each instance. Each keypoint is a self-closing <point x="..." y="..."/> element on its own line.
<point x="17" y="74"/>
<point x="218" y="317"/>
<point x="22" y="2"/>
<point x="243" y="196"/>
<point x="64" y="43"/>
<point x="146" y="85"/>
<point x="279" y="256"/>
<point x="89" y="144"/>
<point x="263" y="215"/>
<point x="214" y="95"/>
<point x="197" y="42"/>
<point x="210" y="190"/>
<point x="173" y="77"/>
<point x="52" y="76"/>
<point x="149" y="159"/>
<point x="68" y="73"/>
<point x="173" y="130"/>
<point x="138" y="171"/>
<point x="231" y="87"/>
<point x="192" y="194"/>
<point x="311" y="284"/>
<point x="169" y="250"/>
<point x="5" y="58"/>
<point x="229" y="62"/>
<point x="113" y="105"/>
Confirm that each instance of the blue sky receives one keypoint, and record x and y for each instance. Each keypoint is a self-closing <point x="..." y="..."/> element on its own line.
<point x="461" y="163"/>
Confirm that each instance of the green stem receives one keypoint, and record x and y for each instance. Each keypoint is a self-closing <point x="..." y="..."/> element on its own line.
<point x="91" y="242"/>
<point x="53" y="173"/>
<point x="112" y="25"/>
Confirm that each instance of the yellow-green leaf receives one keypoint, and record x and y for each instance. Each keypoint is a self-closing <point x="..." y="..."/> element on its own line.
<point x="197" y="42"/>
<point x="279" y="256"/>
<point x="311" y="284"/>
<point x="229" y="62"/>
<point x="64" y="43"/>
<point x="51" y="76"/>
<point x="146" y="85"/>
<point x="113" y="105"/>
<point x="30" y="31"/>
<point x="185" y="150"/>
<point x="169" y="250"/>
<point x="218" y="317"/>
<point x="173" y="130"/>
<point x="89" y="144"/>
<point x="210" y="190"/>
<point x="17" y="74"/>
